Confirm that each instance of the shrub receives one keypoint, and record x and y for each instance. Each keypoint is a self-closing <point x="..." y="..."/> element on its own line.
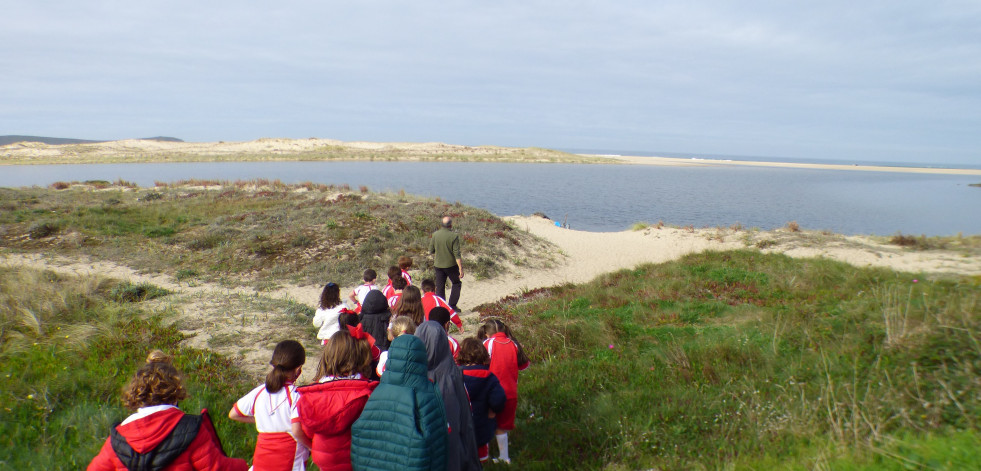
<point x="40" y="230"/>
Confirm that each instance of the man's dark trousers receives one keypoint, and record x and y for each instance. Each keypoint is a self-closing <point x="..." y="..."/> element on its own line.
<point x="453" y="273"/>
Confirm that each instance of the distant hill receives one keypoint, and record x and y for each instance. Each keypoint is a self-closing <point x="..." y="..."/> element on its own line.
<point x="4" y="140"/>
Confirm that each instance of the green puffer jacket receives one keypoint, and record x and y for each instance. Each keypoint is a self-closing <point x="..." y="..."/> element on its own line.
<point x="403" y="425"/>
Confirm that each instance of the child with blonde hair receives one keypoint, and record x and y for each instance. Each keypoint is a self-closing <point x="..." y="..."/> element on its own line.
<point x="272" y="408"/>
<point x="399" y="325"/>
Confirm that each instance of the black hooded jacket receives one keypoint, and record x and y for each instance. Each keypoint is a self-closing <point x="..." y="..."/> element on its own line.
<point x="374" y="318"/>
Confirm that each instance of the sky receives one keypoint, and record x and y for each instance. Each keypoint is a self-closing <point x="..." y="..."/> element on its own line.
<point x="880" y="81"/>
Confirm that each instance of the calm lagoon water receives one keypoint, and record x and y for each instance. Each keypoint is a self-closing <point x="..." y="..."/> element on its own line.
<point x="611" y="197"/>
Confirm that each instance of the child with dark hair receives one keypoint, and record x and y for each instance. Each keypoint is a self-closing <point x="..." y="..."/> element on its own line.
<point x="351" y="322"/>
<point x="487" y="397"/>
<point x="398" y="285"/>
<point x="357" y="296"/>
<point x="506" y="359"/>
<point x="430" y="301"/>
<point x="388" y="289"/>
<point x="410" y="304"/>
<point x="442" y="316"/>
<point x="328" y="408"/>
<point x="272" y="408"/>
<point x="405" y="263"/>
<point x="158" y="429"/>
<point x="329" y="308"/>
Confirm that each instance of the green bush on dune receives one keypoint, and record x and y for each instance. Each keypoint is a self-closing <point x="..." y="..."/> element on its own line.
<point x="740" y="360"/>
<point x="239" y="232"/>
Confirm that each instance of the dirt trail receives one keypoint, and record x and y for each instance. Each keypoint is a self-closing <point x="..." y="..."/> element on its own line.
<point x="242" y="323"/>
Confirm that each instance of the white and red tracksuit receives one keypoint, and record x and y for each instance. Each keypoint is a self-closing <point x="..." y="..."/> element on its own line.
<point x="430" y="301"/>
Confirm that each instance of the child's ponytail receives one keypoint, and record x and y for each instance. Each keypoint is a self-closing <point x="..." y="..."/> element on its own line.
<point x="493" y="326"/>
<point x="287" y="356"/>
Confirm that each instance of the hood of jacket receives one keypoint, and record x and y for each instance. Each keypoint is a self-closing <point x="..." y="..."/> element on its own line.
<point x="406" y="364"/>
<point x="331" y="407"/>
<point x="146" y="433"/>
<point x="374" y="303"/>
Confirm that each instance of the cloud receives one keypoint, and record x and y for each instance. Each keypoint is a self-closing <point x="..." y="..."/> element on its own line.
<point x="881" y="80"/>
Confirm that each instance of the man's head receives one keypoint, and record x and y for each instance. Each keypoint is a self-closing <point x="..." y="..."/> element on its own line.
<point x="447" y="222"/>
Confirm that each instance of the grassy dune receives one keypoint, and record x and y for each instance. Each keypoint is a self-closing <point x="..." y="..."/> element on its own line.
<point x="740" y="360"/>
<point x="732" y="360"/>
<point x="67" y="346"/>
<point x="257" y="233"/>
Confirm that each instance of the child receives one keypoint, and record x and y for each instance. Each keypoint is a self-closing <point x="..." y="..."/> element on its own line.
<point x="398" y="285"/>
<point x="393" y="272"/>
<point x="399" y="325"/>
<point x="158" y="430"/>
<point x="506" y="359"/>
<point x="403" y="425"/>
<point x="328" y="408"/>
<point x="327" y="311"/>
<point x="272" y="408"/>
<point x="430" y="301"/>
<point x="357" y="296"/>
<point x="350" y="322"/>
<point x="487" y="397"/>
<point x="461" y="446"/>
<point x="374" y="317"/>
<point x="405" y="263"/>
<point x="410" y="304"/>
<point x="442" y="317"/>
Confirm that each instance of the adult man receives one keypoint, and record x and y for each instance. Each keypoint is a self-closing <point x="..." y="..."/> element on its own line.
<point x="448" y="262"/>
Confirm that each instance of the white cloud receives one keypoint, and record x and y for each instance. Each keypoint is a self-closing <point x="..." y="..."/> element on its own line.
<point x="885" y="80"/>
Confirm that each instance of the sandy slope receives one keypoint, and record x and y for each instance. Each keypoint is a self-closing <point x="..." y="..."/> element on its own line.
<point x="208" y="312"/>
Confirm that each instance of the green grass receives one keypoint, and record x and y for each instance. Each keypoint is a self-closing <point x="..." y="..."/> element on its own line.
<point x="739" y="360"/>
<point x="67" y="346"/>
<point x="259" y="230"/>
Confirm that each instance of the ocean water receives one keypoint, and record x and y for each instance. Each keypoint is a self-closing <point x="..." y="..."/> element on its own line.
<point x="611" y="197"/>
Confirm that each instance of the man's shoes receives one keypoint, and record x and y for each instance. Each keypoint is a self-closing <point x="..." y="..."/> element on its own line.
<point x="501" y="461"/>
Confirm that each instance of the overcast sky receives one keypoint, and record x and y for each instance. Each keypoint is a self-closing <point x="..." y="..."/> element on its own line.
<point x="870" y="80"/>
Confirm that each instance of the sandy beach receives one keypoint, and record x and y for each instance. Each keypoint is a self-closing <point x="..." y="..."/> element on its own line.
<point x="135" y="150"/>
<point x="698" y="162"/>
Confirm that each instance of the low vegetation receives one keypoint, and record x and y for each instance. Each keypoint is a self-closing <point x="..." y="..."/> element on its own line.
<point x="67" y="346"/>
<point x="743" y="360"/>
<point x="971" y="244"/>
<point x="252" y="232"/>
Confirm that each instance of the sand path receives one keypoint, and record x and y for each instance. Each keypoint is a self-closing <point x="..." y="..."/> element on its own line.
<point x="234" y="321"/>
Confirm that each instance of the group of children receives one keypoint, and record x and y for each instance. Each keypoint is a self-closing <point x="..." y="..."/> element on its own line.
<point x="426" y="411"/>
<point x="392" y="391"/>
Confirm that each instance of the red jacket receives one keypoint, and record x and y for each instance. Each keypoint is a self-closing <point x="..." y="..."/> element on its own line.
<point x="504" y="362"/>
<point x="146" y="434"/>
<point x="327" y="411"/>
<point x="430" y="301"/>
